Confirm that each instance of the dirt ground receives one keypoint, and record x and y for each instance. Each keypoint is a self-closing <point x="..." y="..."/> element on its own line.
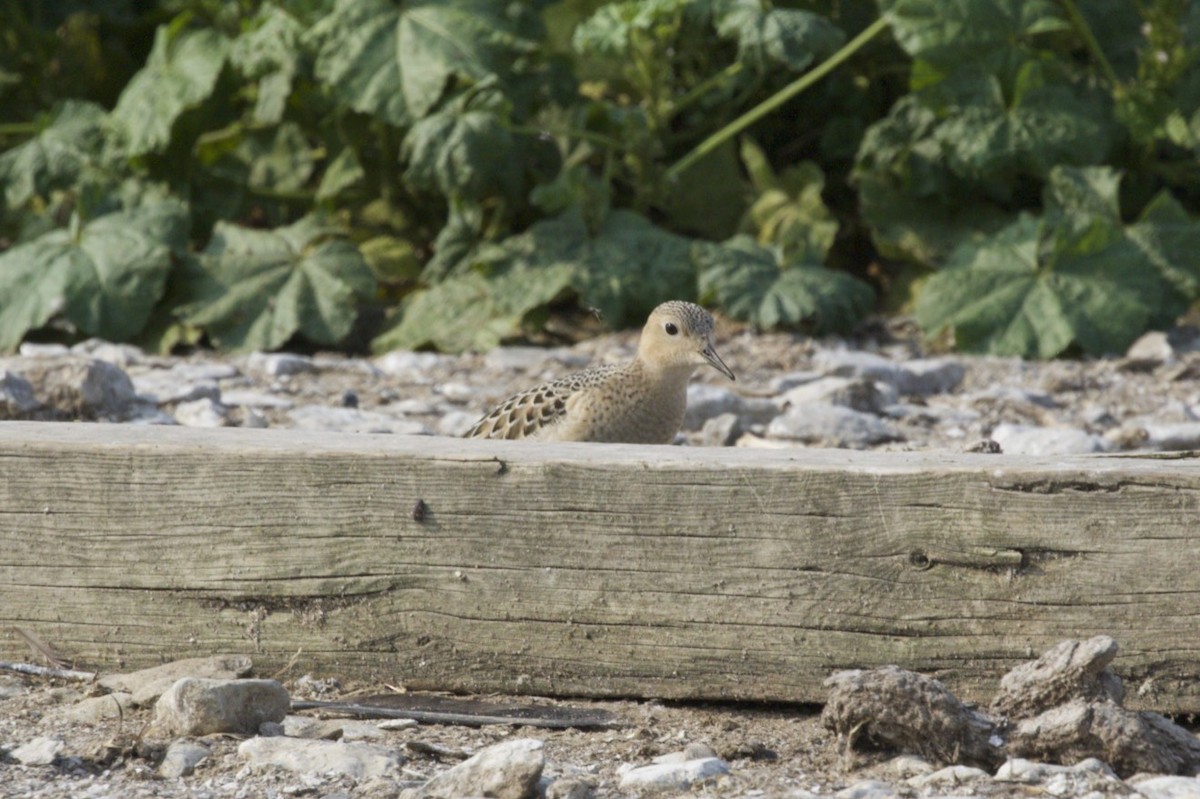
<point x="772" y="751"/>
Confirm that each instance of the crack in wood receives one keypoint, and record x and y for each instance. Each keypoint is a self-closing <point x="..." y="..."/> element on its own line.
<point x="1054" y="485"/>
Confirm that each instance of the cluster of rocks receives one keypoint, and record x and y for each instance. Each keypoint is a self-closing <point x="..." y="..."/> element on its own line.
<point x="202" y="727"/>
<point x="790" y="392"/>
<point x="1066" y="707"/>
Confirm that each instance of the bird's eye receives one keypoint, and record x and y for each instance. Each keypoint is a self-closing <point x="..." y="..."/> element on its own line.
<point x="670" y="328"/>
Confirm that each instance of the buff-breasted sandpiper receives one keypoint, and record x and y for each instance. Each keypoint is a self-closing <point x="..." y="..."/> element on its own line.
<point x="640" y="402"/>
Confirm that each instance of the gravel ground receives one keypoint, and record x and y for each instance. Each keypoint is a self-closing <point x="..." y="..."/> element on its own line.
<point x="1147" y="400"/>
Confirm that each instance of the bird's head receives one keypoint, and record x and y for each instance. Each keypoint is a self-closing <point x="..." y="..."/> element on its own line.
<point x="677" y="335"/>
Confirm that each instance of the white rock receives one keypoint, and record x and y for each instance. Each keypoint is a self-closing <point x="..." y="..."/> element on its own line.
<point x="106" y="389"/>
<point x="508" y="770"/>
<point x="38" y="752"/>
<point x="571" y="788"/>
<point x="457" y="392"/>
<point x="674" y="776"/>
<point x="918" y="376"/>
<point x="362" y="731"/>
<point x="308" y="727"/>
<point x="31" y="349"/>
<point x="831" y="425"/>
<point x="202" y="706"/>
<point x="147" y="685"/>
<point x="279" y="364"/>
<point x="202" y="413"/>
<point x="786" y="382"/>
<point x="408" y="364"/>
<point x="248" y="398"/>
<point x="720" y="431"/>
<point x="868" y="789"/>
<point x="202" y="371"/>
<point x="1165" y="787"/>
<point x="1018" y="769"/>
<point x="253" y="419"/>
<point x="398" y="724"/>
<point x="925" y="376"/>
<point x="705" y="402"/>
<point x="1151" y="349"/>
<point x="1018" y="439"/>
<point x="97" y="708"/>
<point x="353" y="420"/>
<point x="456" y="423"/>
<point x="855" y="363"/>
<point x="148" y="414"/>
<point x="359" y="761"/>
<point x="1172" y="437"/>
<point x="858" y="393"/>
<point x="949" y="776"/>
<point x="122" y="355"/>
<point x="16" y="394"/>
<point x="163" y="387"/>
<point x="181" y="758"/>
<point x="907" y="766"/>
<point x="1012" y="394"/>
<point x="511" y="358"/>
<point x="413" y="407"/>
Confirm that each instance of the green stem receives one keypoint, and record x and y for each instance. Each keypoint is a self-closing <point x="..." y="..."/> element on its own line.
<point x="20" y="129"/>
<point x="774" y="101"/>
<point x="1089" y="39"/>
<point x="702" y="88"/>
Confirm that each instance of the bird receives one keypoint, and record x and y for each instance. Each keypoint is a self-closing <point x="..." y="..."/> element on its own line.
<point x="639" y="402"/>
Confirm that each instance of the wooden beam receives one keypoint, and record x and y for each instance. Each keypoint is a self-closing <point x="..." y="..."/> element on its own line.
<point x="587" y="569"/>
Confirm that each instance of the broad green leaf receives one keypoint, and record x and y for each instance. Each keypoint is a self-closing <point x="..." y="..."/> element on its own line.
<point x="342" y="173"/>
<point x="244" y="169"/>
<point x="56" y="156"/>
<point x="623" y="269"/>
<point x="263" y="287"/>
<point x="757" y="285"/>
<point x="268" y="53"/>
<point x="1086" y="190"/>
<point x="946" y="35"/>
<point x="924" y="230"/>
<point x="280" y="162"/>
<point x="457" y="239"/>
<point x="993" y="142"/>
<point x="105" y="278"/>
<point x="770" y="37"/>
<point x="180" y="74"/>
<point x="903" y="149"/>
<point x="469" y="154"/>
<point x="1167" y="237"/>
<point x="392" y="259"/>
<point x="789" y="211"/>
<point x="476" y="310"/>
<point x="916" y="209"/>
<point x="710" y="198"/>
<point x="395" y="62"/>
<point x="608" y="32"/>
<point x="1170" y="239"/>
<point x="1042" y="285"/>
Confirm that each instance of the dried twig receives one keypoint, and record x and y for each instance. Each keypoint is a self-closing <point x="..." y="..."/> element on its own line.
<point x="46" y="671"/>
<point x="42" y="648"/>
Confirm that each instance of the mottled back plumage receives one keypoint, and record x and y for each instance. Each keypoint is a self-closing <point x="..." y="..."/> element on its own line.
<point x="642" y="401"/>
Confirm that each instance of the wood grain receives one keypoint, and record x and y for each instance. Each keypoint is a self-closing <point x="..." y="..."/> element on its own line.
<point x="595" y="570"/>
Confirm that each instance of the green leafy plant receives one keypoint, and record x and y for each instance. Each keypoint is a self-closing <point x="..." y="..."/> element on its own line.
<point x="256" y="289"/>
<point x="462" y="168"/>
<point x="1075" y="277"/>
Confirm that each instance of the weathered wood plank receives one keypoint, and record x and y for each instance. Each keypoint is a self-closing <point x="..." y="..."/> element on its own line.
<point x="595" y="570"/>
